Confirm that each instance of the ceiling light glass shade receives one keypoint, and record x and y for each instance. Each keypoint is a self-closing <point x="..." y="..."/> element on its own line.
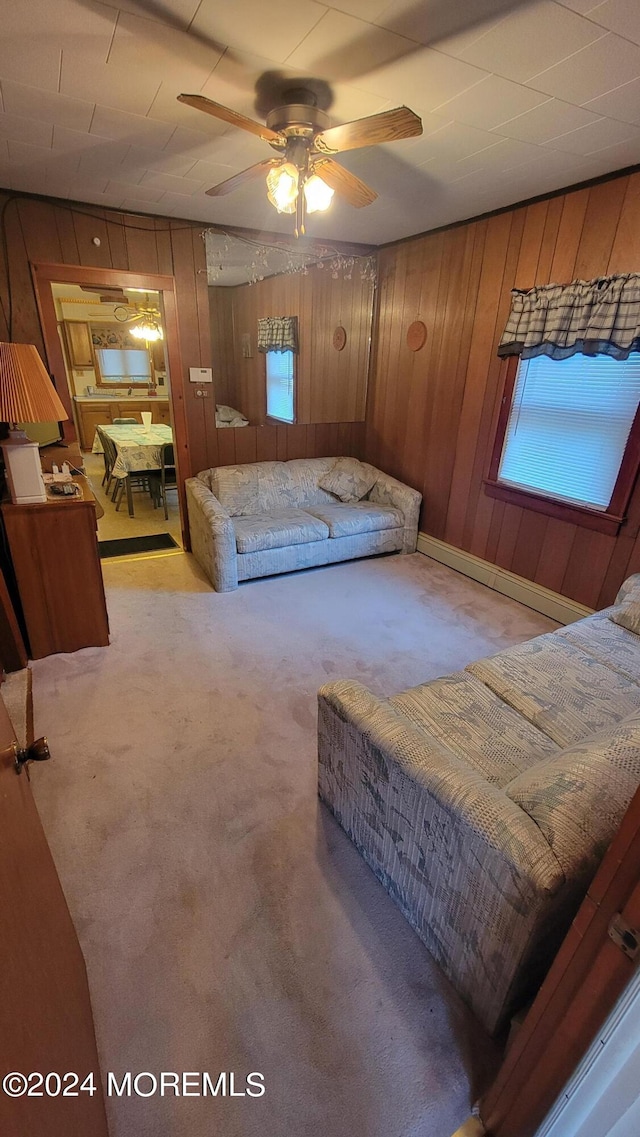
<point x="147" y="331"/>
<point x="282" y="187"/>
<point x="317" y="194"/>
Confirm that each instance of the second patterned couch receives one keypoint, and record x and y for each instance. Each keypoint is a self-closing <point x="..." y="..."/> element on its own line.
<point x="485" y="800"/>
<point x="263" y="518"/>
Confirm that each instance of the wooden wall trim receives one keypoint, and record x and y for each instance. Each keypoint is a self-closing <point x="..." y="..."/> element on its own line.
<point x="44" y="274"/>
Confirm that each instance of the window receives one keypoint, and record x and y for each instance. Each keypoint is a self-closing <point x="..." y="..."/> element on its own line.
<point x="280" y="386"/>
<point x="123" y="365"/>
<point x="566" y="437"/>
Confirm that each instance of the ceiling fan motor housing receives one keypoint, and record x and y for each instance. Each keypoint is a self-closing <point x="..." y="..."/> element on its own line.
<point x="298" y="119"/>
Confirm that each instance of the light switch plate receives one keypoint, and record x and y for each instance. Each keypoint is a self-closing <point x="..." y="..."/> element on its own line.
<point x="200" y="375"/>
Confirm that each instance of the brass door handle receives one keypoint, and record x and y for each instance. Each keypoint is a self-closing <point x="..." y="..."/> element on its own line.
<point x="38" y="751"/>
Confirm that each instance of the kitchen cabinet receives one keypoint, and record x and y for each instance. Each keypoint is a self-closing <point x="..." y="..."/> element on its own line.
<point x="78" y="341"/>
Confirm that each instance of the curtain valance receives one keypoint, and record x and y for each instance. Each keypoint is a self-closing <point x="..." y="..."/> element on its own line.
<point x="590" y="317"/>
<point x="278" y="333"/>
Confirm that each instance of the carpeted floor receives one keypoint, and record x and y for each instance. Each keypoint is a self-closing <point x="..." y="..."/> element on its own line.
<point x="227" y="922"/>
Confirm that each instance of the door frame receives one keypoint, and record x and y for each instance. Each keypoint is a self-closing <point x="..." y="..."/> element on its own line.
<point x="44" y="274"/>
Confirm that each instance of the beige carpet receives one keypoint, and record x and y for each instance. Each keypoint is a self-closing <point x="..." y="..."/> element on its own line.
<point x="227" y="922"/>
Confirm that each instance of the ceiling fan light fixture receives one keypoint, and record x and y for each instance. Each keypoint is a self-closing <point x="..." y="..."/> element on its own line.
<point x="318" y="194"/>
<point x="282" y="187"/>
<point x="147" y="330"/>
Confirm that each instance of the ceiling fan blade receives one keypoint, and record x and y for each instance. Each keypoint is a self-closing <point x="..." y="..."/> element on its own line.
<point x="227" y="115"/>
<point x="344" y="183"/>
<point x="386" y="127"/>
<point x="242" y="178"/>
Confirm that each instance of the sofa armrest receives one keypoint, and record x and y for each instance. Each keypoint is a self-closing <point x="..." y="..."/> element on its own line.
<point x="389" y="491"/>
<point x="213" y="538"/>
<point x="478" y="805"/>
<point x="469" y="869"/>
<point x="631" y="584"/>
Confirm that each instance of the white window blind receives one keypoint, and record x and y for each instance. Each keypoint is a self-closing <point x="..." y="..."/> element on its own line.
<point x="125" y="364"/>
<point x="280" y="402"/>
<point x="568" y="427"/>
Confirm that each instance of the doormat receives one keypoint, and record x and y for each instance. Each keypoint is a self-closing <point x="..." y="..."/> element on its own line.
<point x="129" y="546"/>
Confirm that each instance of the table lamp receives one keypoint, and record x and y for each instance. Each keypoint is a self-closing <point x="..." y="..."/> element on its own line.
<point x="26" y="395"/>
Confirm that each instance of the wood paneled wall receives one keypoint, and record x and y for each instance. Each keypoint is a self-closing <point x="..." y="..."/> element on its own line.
<point x="432" y="414"/>
<point x="56" y="232"/>
<point x="331" y="385"/>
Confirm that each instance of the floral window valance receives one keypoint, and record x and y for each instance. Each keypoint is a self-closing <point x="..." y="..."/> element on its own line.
<point x="278" y="333"/>
<point x="591" y="317"/>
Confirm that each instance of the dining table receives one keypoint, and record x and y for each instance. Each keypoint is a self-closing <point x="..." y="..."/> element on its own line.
<point x="138" y="448"/>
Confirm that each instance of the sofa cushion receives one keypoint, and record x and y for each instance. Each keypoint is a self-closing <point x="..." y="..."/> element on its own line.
<point x="349" y="479"/>
<point x="277" y="530"/>
<point x="475" y="725"/>
<point x="306" y="475"/>
<point x="564" y="692"/>
<point x="578" y="797"/>
<point x="236" y="488"/>
<point x="612" y="644"/>
<point x="360" y="517"/>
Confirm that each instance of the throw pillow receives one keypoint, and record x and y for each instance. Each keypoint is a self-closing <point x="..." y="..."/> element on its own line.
<point x="627" y="614"/>
<point x="348" y="479"/>
<point x="224" y="413"/>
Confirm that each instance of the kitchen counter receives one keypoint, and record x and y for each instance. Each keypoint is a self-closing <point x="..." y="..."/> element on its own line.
<point x="121" y="398"/>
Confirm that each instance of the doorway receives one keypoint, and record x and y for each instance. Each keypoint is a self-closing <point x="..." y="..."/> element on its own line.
<point x="111" y="339"/>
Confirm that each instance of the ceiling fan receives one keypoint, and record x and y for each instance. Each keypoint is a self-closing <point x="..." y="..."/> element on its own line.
<point x="144" y="320"/>
<point x="304" y="177"/>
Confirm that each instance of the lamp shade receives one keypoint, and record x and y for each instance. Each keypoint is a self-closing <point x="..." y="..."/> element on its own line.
<point x="26" y="391"/>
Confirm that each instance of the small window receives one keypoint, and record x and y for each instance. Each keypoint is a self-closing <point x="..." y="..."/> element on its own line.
<point x="124" y="365"/>
<point x="280" y="386"/>
<point x="564" y="435"/>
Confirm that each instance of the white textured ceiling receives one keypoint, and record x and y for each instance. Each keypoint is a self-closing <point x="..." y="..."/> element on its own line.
<point x="530" y="98"/>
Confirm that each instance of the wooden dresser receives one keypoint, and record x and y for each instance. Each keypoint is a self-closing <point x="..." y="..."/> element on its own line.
<point x="54" y="551"/>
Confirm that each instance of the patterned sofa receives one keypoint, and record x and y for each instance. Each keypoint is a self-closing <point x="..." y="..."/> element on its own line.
<point x="270" y="517"/>
<point x="484" y="801"/>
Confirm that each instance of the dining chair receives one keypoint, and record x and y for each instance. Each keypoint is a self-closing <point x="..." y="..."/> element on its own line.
<point x="167" y="479"/>
<point x="109" y="455"/>
<point x="125" y="421"/>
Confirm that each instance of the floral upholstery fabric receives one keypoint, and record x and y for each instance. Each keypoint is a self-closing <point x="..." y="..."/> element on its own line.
<point x="277" y="530"/>
<point x="482" y="829"/>
<point x="213" y="538"/>
<point x="578" y="796"/>
<point x="349" y="479"/>
<point x="232" y="552"/>
<point x="236" y="488"/>
<point x="306" y="475"/>
<point x="606" y="641"/>
<point x="389" y="491"/>
<point x="627" y="614"/>
<point x="475" y="725"/>
<point x="563" y="691"/>
<point x="360" y="517"/>
<point x="468" y="868"/>
<point x="311" y="554"/>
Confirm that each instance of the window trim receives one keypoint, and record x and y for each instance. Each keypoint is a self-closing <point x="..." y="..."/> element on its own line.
<point x="606" y="521"/>
<point x="270" y="419"/>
